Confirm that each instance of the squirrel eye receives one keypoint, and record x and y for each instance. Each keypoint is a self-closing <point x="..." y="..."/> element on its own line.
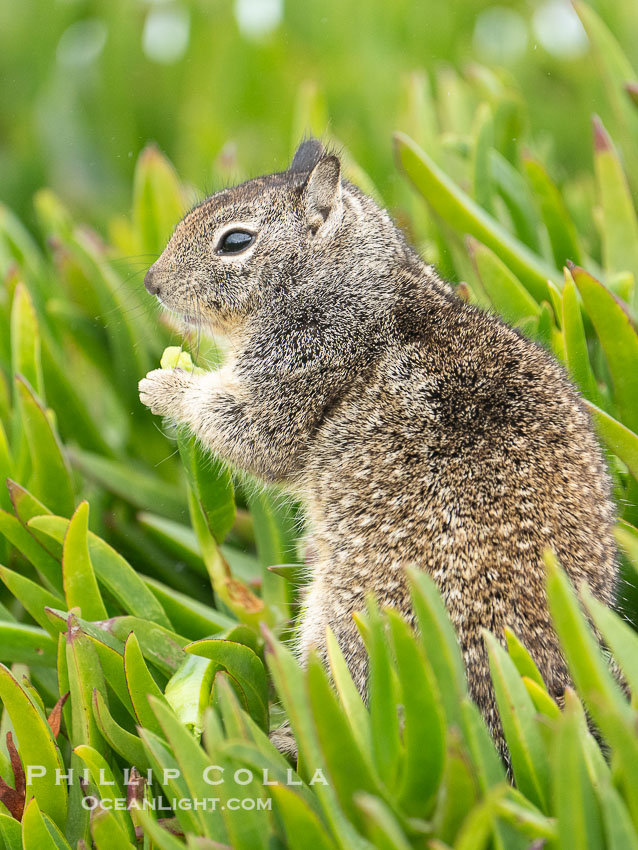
<point x="235" y="241"/>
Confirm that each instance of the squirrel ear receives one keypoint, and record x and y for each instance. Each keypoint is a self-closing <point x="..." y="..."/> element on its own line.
<point x="307" y="155"/>
<point x="323" y="194"/>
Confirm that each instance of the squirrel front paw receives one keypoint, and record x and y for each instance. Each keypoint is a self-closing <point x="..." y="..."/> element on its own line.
<point x="163" y="390"/>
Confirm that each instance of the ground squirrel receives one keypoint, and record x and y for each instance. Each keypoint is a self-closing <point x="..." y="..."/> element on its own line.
<point x="416" y="428"/>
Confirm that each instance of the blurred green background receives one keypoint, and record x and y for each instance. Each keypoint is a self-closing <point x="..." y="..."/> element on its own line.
<point x="222" y="85"/>
<point x="498" y="180"/>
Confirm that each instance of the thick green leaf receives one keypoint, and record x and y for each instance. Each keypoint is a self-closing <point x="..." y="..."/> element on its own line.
<point x="140" y="488"/>
<point x="461" y="212"/>
<point x="128" y="746"/>
<point x="521" y="658"/>
<point x="560" y="228"/>
<point x="10" y="832"/>
<point x="21" y="247"/>
<point x="527" y="821"/>
<point x="107" y="831"/>
<point x="80" y="585"/>
<point x="619" y="224"/>
<point x="616" y="71"/>
<point x="517" y="712"/>
<point x="141" y="685"/>
<point x="128" y="348"/>
<point x="579" y="822"/>
<point x="242" y="663"/>
<point x="26" y="645"/>
<point x="545" y="326"/>
<point x="516" y="195"/>
<point x="63" y="677"/>
<point x="508" y="295"/>
<point x="349" y="696"/>
<point x="349" y="768"/>
<point x="488" y="765"/>
<point x="619" y="341"/>
<point x="418" y="115"/>
<point x="85" y="673"/>
<point x="112" y="571"/>
<point x="627" y="537"/>
<point x="621" y="639"/>
<point x="107" y="785"/>
<point x="620" y="833"/>
<point x="167" y="771"/>
<point x="229" y="703"/>
<point x="180" y="540"/>
<point x="458" y="795"/>
<point x="275" y="537"/>
<point x="272" y="773"/>
<point x="622" y="738"/>
<point x="619" y="438"/>
<point x="110" y="651"/>
<point x="53" y="216"/>
<point x="195" y="765"/>
<point x="424" y="731"/>
<point x="211" y="483"/>
<point x="483" y="134"/>
<point x="575" y="342"/>
<point x="25" y="504"/>
<point x="162" y="838"/>
<point x="50" y="479"/>
<point x="40" y="831"/>
<point x="257" y="750"/>
<point x="382" y="827"/>
<point x="302" y="827"/>
<point x="234" y="594"/>
<point x="112" y="663"/>
<point x="6" y="466"/>
<point x="37" y="748"/>
<point x="161" y="646"/>
<point x="76" y="421"/>
<point x="456" y="110"/>
<point x="32" y="597"/>
<point x="158" y="203"/>
<point x="25" y="340"/>
<point x="148" y="555"/>
<point x="188" y="691"/>
<point x="384" y="717"/>
<point x="289" y="683"/>
<point x="440" y="643"/>
<point x="17" y="535"/>
<point x="593" y="679"/>
<point x="543" y="703"/>
<point x="556" y="300"/>
<point x="191" y="617"/>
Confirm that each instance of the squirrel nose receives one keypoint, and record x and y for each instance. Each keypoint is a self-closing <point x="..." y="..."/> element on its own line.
<point x="150" y="282"/>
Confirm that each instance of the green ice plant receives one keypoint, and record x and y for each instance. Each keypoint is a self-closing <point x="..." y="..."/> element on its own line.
<point x="148" y="591"/>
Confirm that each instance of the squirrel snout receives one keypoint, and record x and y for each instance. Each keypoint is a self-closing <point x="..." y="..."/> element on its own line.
<point x="150" y="281"/>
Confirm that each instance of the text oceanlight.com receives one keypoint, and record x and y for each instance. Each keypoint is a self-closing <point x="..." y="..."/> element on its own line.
<point x="160" y="804"/>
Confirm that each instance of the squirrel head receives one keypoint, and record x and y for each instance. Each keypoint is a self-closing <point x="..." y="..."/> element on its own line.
<point x="301" y="229"/>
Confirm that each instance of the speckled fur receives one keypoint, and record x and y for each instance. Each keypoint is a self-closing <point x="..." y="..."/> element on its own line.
<point x="416" y="428"/>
